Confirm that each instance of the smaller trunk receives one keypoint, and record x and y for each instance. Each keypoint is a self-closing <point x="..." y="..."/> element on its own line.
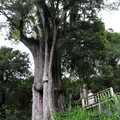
<point x="37" y="88"/>
<point x="83" y="91"/>
<point x="2" y="105"/>
<point x="37" y="103"/>
<point x="46" y="114"/>
<point x="46" y="108"/>
<point x="58" y="91"/>
<point x="48" y="91"/>
<point x="73" y="15"/>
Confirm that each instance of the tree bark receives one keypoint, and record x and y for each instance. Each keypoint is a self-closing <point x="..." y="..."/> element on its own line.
<point x="41" y="105"/>
<point x="58" y="90"/>
<point x="83" y="91"/>
<point x="46" y="78"/>
<point x="37" y="50"/>
<point x="47" y="85"/>
<point x="37" y="88"/>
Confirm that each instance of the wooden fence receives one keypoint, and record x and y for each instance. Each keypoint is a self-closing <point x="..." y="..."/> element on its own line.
<point x="95" y="100"/>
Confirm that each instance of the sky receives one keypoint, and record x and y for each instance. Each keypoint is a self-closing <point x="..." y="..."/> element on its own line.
<point x="111" y="19"/>
<point x="16" y="46"/>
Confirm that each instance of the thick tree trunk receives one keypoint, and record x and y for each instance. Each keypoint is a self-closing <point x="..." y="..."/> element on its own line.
<point x="38" y="52"/>
<point x="46" y="89"/>
<point x="37" y="88"/>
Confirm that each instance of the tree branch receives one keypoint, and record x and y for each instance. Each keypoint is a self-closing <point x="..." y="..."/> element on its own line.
<point x="57" y="5"/>
<point x="31" y="43"/>
<point x="1" y="11"/>
<point x="63" y="16"/>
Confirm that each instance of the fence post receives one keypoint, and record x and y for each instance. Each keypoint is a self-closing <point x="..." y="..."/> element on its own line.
<point x="99" y="106"/>
<point x="83" y="103"/>
<point x="111" y="91"/>
<point x="114" y="95"/>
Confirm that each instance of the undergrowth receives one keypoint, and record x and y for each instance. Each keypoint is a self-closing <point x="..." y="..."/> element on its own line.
<point x="109" y="111"/>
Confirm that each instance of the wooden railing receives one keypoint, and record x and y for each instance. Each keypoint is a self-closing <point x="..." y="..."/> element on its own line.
<point x="98" y="98"/>
<point x="118" y="95"/>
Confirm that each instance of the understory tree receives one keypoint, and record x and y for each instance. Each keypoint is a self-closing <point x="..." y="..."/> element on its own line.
<point x="15" y="89"/>
<point x="39" y="24"/>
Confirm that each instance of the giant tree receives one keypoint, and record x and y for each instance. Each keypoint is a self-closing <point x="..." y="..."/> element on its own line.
<point x="38" y="23"/>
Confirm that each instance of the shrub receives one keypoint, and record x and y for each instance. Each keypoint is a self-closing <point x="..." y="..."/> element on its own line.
<point x="109" y="111"/>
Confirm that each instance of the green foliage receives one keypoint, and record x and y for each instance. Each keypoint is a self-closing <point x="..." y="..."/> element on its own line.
<point x="71" y="91"/>
<point x="13" y="64"/>
<point x="13" y="114"/>
<point x="110" y="111"/>
<point x="93" y="56"/>
<point x="108" y="66"/>
<point x="87" y="42"/>
<point x="15" y="82"/>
